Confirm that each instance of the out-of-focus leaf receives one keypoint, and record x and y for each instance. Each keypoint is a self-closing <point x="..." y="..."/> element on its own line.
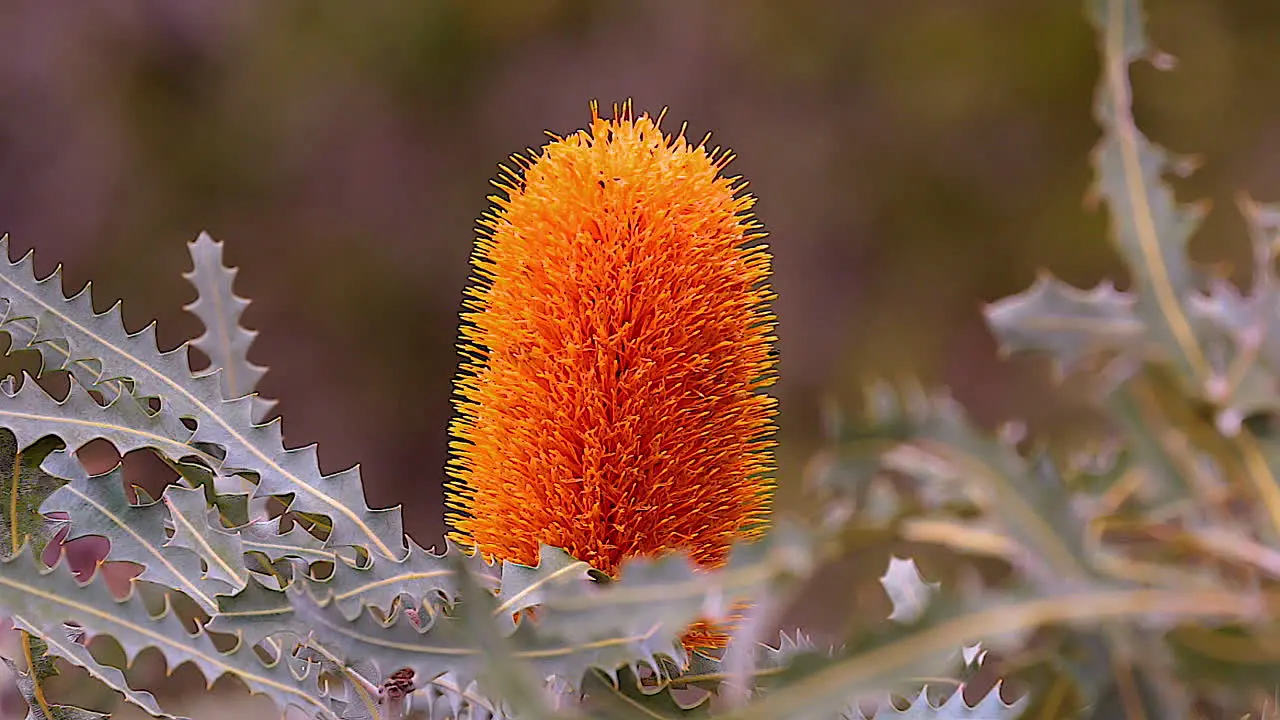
<point x="1162" y="453"/>
<point x="655" y="597"/>
<point x="1244" y="333"/>
<point x="1150" y="228"/>
<point x="1029" y="500"/>
<point x="580" y="624"/>
<point x="447" y="645"/>
<point x="628" y="697"/>
<point x="524" y="587"/>
<point x="907" y="590"/>
<point x="444" y="699"/>
<point x="815" y="684"/>
<point x="805" y="666"/>
<point x="1131" y="693"/>
<point x="502" y="676"/>
<point x="1242" y="658"/>
<point x="1070" y="324"/>
<point x="990" y="707"/>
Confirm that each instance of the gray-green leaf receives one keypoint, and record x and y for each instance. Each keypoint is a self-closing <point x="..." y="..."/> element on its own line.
<point x="221" y="550"/>
<point x="1151" y="229"/>
<point x="224" y="340"/>
<point x="98" y="506"/>
<point x="226" y="423"/>
<point x="47" y="599"/>
<point x="1070" y="324"/>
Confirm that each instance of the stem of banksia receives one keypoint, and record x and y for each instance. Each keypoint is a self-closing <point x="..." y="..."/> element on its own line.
<point x="616" y="343"/>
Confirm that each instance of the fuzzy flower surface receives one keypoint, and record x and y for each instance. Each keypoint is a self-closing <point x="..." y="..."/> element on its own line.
<point x="617" y="342"/>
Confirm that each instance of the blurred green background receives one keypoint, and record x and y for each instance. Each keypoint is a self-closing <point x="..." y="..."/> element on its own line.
<point x="912" y="160"/>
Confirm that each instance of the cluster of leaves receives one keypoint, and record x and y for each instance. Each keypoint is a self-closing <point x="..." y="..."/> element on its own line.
<point x="253" y="564"/>
<point x="1131" y="576"/>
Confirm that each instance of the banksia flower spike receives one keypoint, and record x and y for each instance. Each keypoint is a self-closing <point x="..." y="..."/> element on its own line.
<point x="616" y="345"/>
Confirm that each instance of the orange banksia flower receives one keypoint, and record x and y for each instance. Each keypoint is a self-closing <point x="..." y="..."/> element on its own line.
<point x="616" y="343"/>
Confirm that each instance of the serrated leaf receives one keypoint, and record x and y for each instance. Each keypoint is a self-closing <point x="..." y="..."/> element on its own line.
<point x="219" y="308"/>
<point x="31" y="674"/>
<point x="257" y="613"/>
<point x="524" y="587"/>
<point x="63" y="646"/>
<point x="503" y="676"/>
<point x="990" y="707"/>
<point x="24" y="485"/>
<point x="711" y="673"/>
<point x="777" y="699"/>
<point x="55" y="353"/>
<point x="1070" y="324"/>
<point x="421" y="575"/>
<point x="1242" y="330"/>
<point x="230" y="496"/>
<point x="46" y="599"/>
<point x="445" y="646"/>
<point x="1151" y="229"/>
<point x="580" y="625"/>
<point x="264" y="536"/>
<point x="226" y="423"/>
<point x="98" y="506"/>
<point x="222" y="551"/>
<point x="32" y="413"/>
<point x="445" y="699"/>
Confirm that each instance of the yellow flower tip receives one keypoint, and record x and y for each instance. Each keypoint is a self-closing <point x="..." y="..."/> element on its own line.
<point x="616" y="342"/>
<point x="704" y="635"/>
